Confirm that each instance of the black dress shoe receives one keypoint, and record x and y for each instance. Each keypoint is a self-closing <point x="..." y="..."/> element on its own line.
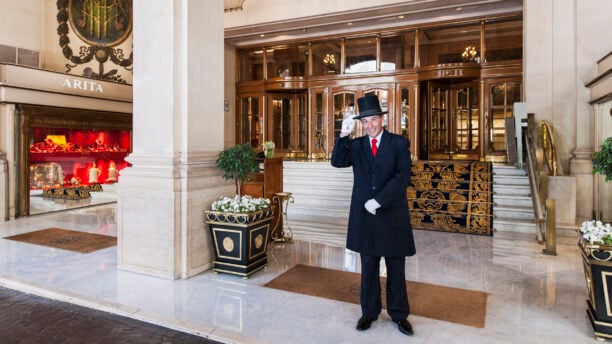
<point x="364" y="323"/>
<point x="404" y="327"/>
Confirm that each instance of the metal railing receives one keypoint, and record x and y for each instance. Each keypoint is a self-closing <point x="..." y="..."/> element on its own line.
<point x="541" y="162"/>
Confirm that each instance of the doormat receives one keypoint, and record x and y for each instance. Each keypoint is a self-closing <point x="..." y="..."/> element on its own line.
<point x="452" y="196"/>
<point x="460" y="306"/>
<point x="66" y="239"/>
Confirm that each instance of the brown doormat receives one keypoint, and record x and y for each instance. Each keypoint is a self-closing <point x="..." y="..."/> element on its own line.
<point x="454" y="305"/>
<point x="66" y="239"/>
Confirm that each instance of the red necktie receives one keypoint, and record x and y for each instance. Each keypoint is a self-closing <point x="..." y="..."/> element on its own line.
<point x="374" y="147"/>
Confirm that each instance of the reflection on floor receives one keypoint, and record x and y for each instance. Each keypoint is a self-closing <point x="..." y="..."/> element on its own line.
<point x="533" y="298"/>
<point x="41" y="205"/>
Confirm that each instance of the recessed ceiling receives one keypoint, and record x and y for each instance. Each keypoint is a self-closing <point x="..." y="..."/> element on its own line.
<point x="409" y="13"/>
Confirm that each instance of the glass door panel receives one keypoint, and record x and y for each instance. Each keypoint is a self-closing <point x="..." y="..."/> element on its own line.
<point x="302" y="123"/>
<point x="250" y="125"/>
<point x="465" y="129"/>
<point x="288" y="123"/>
<point x="341" y="103"/>
<point x="404" y="112"/>
<point x="502" y="97"/>
<point x="438" y="122"/>
<point x="281" y="121"/>
<point x="319" y="132"/>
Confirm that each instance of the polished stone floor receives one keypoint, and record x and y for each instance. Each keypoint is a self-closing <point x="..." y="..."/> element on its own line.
<point x="533" y="298"/>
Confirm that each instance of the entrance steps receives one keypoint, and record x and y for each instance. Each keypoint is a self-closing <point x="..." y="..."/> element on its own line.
<point x="513" y="207"/>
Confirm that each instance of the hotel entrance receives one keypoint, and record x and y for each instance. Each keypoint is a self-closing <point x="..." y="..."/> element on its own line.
<point x="451" y="121"/>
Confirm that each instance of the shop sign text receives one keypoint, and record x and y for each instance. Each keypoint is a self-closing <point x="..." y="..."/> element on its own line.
<point x="84" y="85"/>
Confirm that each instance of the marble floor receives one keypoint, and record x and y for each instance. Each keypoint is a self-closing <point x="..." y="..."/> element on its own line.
<point x="533" y="298"/>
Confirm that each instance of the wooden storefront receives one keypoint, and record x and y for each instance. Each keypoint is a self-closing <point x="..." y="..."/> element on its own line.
<point x="448" y="87"/>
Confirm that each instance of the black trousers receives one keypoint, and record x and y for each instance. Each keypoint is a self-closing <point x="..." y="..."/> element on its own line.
<point x="397" y="297"/>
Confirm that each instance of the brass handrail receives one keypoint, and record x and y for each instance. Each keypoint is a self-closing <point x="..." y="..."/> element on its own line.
<point x="541" y="162"/>
<point x="548" y="144"/>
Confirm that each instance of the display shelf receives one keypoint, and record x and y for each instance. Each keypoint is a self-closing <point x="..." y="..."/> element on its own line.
<point x="61" y="156"/>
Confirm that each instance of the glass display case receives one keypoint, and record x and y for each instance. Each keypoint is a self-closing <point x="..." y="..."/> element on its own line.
<point x="65" y="154"/>
<point x="74" y="157"/>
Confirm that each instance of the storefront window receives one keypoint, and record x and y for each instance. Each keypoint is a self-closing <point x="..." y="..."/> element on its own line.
<point x="360" y="55"/>
<point x="250" y="64"/>
<point x="61" y="158"/>
<point x="286" y="61"/>
<point x="504" y="41"/>
<point x="449" y="44"/>
<point x="326" y="57"/>
<point x="397" y="52"/>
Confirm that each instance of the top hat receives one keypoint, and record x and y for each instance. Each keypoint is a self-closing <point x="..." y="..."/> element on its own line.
<point x="369" y="106"/>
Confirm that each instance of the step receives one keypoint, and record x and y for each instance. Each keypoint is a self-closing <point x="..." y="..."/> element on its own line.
<point x="501" y="224"/>
<point x="508" y="170"/>
<point x="514" y="212"/>
<point x="512" y="200"/>
<point x="511" y="190"/>
<point x="510" y="180"/>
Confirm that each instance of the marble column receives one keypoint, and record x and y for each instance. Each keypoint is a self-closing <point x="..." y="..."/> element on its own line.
<point x="178" y="130"/>
<point x="4" y="214"/>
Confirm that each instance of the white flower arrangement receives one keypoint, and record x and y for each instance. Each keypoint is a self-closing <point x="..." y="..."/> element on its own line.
<point x="596" y="232"/>
<point x="268" y="145"/>
<point x="240" y="204"/>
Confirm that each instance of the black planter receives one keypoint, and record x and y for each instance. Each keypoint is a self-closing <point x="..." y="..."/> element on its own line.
<point x="240" y="240"/>
<point x="597" y="263"/>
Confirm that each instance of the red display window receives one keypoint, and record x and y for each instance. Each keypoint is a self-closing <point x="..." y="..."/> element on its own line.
<point x="72" y="157"/>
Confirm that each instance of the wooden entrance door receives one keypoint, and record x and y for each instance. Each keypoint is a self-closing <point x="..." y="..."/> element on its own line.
<point x="453" y="121"/>
<point x="288" y="123"/>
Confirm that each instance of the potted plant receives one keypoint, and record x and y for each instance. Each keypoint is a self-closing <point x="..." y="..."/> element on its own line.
<point x="236" y="163"/>
<point x="602" y="160"/>
<point x="239" y="225"/>
<point x="596" y="248"/>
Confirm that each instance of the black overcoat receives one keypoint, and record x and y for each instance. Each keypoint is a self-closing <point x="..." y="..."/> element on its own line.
<point x="384" y="178"/>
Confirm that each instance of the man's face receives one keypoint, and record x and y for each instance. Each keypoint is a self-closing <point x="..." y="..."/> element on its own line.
<point x="372" y="125"/>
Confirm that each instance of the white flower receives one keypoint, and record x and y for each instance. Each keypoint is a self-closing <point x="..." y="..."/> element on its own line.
<point x="240" y="204"/>
<point x="268" y="145"/>
<point x="596" y="232"/>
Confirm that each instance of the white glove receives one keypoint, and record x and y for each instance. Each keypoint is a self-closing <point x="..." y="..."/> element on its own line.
<point x="348" y="124"/>
<point x="371" y="206"/>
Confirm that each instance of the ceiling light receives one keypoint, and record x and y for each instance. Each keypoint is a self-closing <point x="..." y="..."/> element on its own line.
<point x="400" y="17"/>
<point x="349" y="24"/>
<point x="459" y="9"/>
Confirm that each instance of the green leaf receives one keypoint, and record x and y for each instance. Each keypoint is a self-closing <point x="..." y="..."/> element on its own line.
<point x="602" y="160"/>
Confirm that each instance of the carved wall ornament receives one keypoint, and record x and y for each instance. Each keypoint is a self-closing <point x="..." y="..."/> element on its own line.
<point x="102" y="24"/>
